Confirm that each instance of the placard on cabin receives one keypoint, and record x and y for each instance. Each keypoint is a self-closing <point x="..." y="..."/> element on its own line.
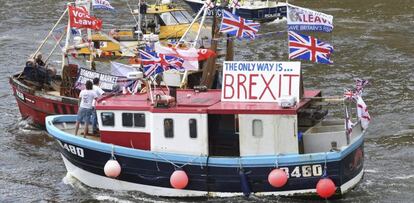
<point x="259" y="81"/>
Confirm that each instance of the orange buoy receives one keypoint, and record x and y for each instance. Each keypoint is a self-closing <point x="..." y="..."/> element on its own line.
<point x="112" y="168"/>
<point x="277" y="178"/>
<point x="179" y="179"/>
<point x="325" y="188"/>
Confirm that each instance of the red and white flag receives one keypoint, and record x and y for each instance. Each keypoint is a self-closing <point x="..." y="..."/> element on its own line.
<point x="363" y="114"/>
<point x="80" y="18"/>
<point x="191" y="56"/>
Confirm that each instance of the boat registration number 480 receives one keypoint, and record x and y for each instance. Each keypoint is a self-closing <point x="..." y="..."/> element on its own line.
<point x="304" y="171"/>
<point x="72" y="149"/>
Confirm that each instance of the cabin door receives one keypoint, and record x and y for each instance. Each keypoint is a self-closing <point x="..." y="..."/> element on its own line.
<point x="223" y="135"/>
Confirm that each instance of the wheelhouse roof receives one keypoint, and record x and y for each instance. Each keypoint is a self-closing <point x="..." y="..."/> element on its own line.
<point x="189" y="101"/>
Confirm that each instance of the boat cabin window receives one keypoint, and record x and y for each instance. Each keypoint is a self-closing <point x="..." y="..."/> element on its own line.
<point x="180" y="17"/>
<point x="168" y="128"/>
<point x="133" y="119"/>
<point x="108" y="119"/>
<point x="139" y="120"/>
<point x="193" y="127"/>
<point x="257" y="128"/>
<point x="168" y="19"/>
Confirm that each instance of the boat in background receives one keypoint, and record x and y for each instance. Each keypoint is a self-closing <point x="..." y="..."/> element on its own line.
<point x="165" y="19"/>
<point x="263" y="10"/>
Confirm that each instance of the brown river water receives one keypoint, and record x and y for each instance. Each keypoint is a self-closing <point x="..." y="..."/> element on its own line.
<point x="372" y="40"/>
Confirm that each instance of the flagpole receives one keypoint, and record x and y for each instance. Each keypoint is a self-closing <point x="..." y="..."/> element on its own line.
<point x="203" y="9"/>
<point x="68" y="34"/>
<point x="50" y="33"/>
<point x="54" y="48"/>
<point x="192" y="23"/>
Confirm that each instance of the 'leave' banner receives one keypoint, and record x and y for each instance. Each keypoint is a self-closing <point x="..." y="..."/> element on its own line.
<point x="80" y="18"/>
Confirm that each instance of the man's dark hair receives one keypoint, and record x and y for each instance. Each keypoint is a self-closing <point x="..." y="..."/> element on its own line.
<point x="88" y="85"/>
<point x="96" y="81"/>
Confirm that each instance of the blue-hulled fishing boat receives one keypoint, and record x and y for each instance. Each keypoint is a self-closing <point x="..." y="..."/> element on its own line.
<point x="236" y="141"/>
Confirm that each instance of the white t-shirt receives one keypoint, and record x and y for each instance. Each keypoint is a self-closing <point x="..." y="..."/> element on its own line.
<point x="87" y="97"/>
<point x="98" y="90"/>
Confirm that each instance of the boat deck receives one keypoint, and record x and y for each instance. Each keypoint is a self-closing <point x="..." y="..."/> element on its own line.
<point x="69" y="127"/>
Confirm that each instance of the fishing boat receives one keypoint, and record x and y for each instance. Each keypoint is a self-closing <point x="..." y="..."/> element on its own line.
<point x="164" y="18"/>
<point x="233" y="142"/>
<point x="42" y="91"/>
<point x="259" y="10"/>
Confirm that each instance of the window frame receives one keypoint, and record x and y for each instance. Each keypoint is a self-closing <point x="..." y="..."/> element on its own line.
<point x="112" y="124"/>
<point x="169" y="132"/>
<point x="254" y="131"/>
<point x="192" y="129"/>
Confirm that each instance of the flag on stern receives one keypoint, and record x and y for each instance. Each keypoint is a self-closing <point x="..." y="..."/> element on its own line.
<point x="154" y="63"/>
<point x="102" y="4"/>
<point x="362" y="111"/>
<point x="237" y="26"/>
<point x="303" y="19"/>
<point x="309" y="48"/>
<point x="80" y="18"/>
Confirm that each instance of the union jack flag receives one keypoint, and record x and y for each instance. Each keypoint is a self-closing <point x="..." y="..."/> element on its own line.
<point x="154" y="63"/>
<point x="238" y="26"/>
<point x="309" y="48"/>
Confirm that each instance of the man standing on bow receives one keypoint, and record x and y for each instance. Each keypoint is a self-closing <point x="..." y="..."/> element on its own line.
<point x="98" y="92"/>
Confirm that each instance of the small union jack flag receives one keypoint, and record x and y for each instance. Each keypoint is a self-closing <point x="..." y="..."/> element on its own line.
<point x="154" y="63"/>
<point x="209" y="4"/>
<point x="309" y="48"/>
<point x="360" y="84"/>
<point x="238" y="26"/>
<point x="235" y="4"/>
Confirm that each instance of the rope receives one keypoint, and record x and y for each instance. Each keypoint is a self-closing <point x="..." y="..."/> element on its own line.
<point x="276" y="162"/>
<point x="113" y="153"/>
<point x="325" y="167"/>
<point x="175" y="165"/>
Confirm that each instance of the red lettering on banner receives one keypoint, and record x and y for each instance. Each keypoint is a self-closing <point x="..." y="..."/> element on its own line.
<point x="241" y="84"/>
<point x="280" y="86"/>
<point x="252" y="84"/>
<point x="225" y="85"/>
<point x="267" y="86"/>
<point x="290" y="81"/>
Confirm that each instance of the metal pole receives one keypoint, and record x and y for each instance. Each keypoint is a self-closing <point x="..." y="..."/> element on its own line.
<point x="68" y="33"/>
<point x="54" y="48"/>
<point x="50" y="33"/>
<point x="201" y="25"/>
<point x="192" y="23"/>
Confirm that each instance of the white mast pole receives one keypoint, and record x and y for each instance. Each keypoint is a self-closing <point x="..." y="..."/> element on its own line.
<point x="68" y="34"/>
<point x="201" y="26"/>
<point x="50" y="33"/>
<point x="192" y="23"/>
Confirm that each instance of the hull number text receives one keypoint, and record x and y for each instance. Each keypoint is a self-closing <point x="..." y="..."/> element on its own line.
<point x="304" y="171"/>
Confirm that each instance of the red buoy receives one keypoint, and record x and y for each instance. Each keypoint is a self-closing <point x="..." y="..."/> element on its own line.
<point x="112" y="168"/>
<point x="277" y="178"/>
<point x="325" y="187"/>
<point x="179" y="179"/>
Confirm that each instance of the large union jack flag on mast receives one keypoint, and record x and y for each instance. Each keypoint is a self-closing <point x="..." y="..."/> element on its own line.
<point x="154" y="63"/>
<point x="238" y="26"/>
<point x="309" y="48"/>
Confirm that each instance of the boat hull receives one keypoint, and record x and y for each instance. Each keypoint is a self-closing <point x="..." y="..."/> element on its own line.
<point x="36" y="105"/>
<point x="258" y="14"/>
<point x="150" y="172"/>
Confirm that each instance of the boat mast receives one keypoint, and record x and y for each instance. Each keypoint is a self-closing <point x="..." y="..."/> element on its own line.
<point x="68" y="34"/>
<point x="50" y="33"/>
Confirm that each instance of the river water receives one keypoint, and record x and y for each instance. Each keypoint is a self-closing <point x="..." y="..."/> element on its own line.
<point x="372" y="39"/>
